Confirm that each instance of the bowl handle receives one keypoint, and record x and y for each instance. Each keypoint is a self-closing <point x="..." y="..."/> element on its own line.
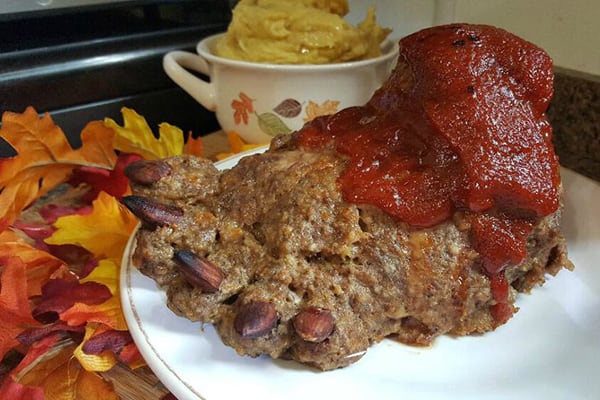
<point x="174" y="64"/>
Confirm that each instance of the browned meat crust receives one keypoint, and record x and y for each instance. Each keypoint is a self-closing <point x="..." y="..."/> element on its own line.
<point x="288" y="269"/>
<point x="271" y="255"/>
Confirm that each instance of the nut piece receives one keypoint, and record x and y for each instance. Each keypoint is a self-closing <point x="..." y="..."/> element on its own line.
<point x="255" y="319"/>
<point x="146" y="172"/>
<point x="313" y="324"/>
<point x="198" y="271"/>
<point x="152" y="212"/>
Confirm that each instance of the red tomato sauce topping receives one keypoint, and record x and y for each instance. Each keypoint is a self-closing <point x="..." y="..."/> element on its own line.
<point x="459" y="125"/>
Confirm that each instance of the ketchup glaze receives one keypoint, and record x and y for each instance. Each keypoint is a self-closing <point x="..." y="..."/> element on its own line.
<point x="459" y="125"/>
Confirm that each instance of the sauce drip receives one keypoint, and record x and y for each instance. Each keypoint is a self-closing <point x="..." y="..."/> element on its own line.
<point x="459" y="125"/>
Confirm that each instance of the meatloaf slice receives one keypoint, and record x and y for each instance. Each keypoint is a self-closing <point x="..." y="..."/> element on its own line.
<point x="306" y="251"/>
<point x="302" y="274"/>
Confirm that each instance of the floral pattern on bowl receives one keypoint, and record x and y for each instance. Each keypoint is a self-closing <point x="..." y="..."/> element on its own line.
<point x="273" y="122"/>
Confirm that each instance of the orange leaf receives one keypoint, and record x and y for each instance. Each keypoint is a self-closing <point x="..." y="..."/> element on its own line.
<point x="41" y="266"/>
<point x="15" y="314"/>
<point x="193" y="146"/>
<point x="237" y="145"/>
<point x="44" y="158"/>
<point x="91" y="386"/>
<point x="242" y="108"/>
<point x="49" y="365"/>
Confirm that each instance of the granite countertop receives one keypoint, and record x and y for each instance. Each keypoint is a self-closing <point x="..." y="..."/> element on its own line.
<point x="575" y="117"/>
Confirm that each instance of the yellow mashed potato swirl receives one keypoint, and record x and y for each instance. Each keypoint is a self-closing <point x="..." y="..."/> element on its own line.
<point x="299" y="32"/>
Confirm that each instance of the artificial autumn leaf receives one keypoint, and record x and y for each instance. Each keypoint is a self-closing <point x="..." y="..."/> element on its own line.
<point x="27" y="187"/>
<point x="98" y="362"/>
<point x="32" y="335"/>
<point x="40" y="266"/>
<point x="314" y="110"/>
<point x="44" y="158"/>
<point x="109" y="340"/>
<point x="35" y="231"/>
<point x="102" y="346"/>
<point x="237" y="145"/>
<point x="15" y="314"/>
<point x="130" y="355"/>
<point x="104" y="232"/>
<point x="59" y="295"/>
<point x="62" y="200"/>
<point x="109" y="312"/>
<point x="51" y="368"/>
<point x="193" y="146"/>
<point x="51" y="212"/>
<point x="15" y="391"/>
<point x="135" y="136"/>
<point x="91" y="386"/>
<point x="113" y="182"/>
<point x="12" y="388"/>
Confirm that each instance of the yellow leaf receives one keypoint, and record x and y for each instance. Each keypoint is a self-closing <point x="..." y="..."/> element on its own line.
<point x="135" y="136"/>
<point x="64" y="379"/>
<point x="104" y="232"/>
<point x="94" y="362"/>
<point x="106" y="273"/>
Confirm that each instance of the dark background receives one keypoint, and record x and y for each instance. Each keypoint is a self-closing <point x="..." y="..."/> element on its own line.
<point x="85" y="63"/>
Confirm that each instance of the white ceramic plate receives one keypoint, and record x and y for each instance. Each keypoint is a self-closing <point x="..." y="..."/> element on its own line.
<point x="549" y="350"/>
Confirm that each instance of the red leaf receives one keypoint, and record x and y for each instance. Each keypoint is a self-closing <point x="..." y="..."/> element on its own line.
<point x="15" y="391"/>
<point x="109" y="340"/>
<point x="130" y="355"/>
<point x="71" y="254"/>
<point x="35" y="231"/>
<point x="113" y="182"/>
<point x="32" y="335"/>
<point x="35" y="352"/>
<point x="59" y="295"/>
<point x="51" y="212"/>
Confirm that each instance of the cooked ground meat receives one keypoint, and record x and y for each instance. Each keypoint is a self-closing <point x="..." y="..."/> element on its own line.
<point x="276" y="227"/>
<point x="272" y="255"/>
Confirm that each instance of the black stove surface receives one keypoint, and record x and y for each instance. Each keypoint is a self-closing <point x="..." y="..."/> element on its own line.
<point x="86" y="63"/>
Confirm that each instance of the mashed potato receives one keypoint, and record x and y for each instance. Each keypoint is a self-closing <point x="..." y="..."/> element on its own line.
<point x="299" y="32"/>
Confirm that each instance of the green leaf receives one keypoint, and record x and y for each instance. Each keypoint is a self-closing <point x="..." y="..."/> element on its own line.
<point x="271" y="124"/>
